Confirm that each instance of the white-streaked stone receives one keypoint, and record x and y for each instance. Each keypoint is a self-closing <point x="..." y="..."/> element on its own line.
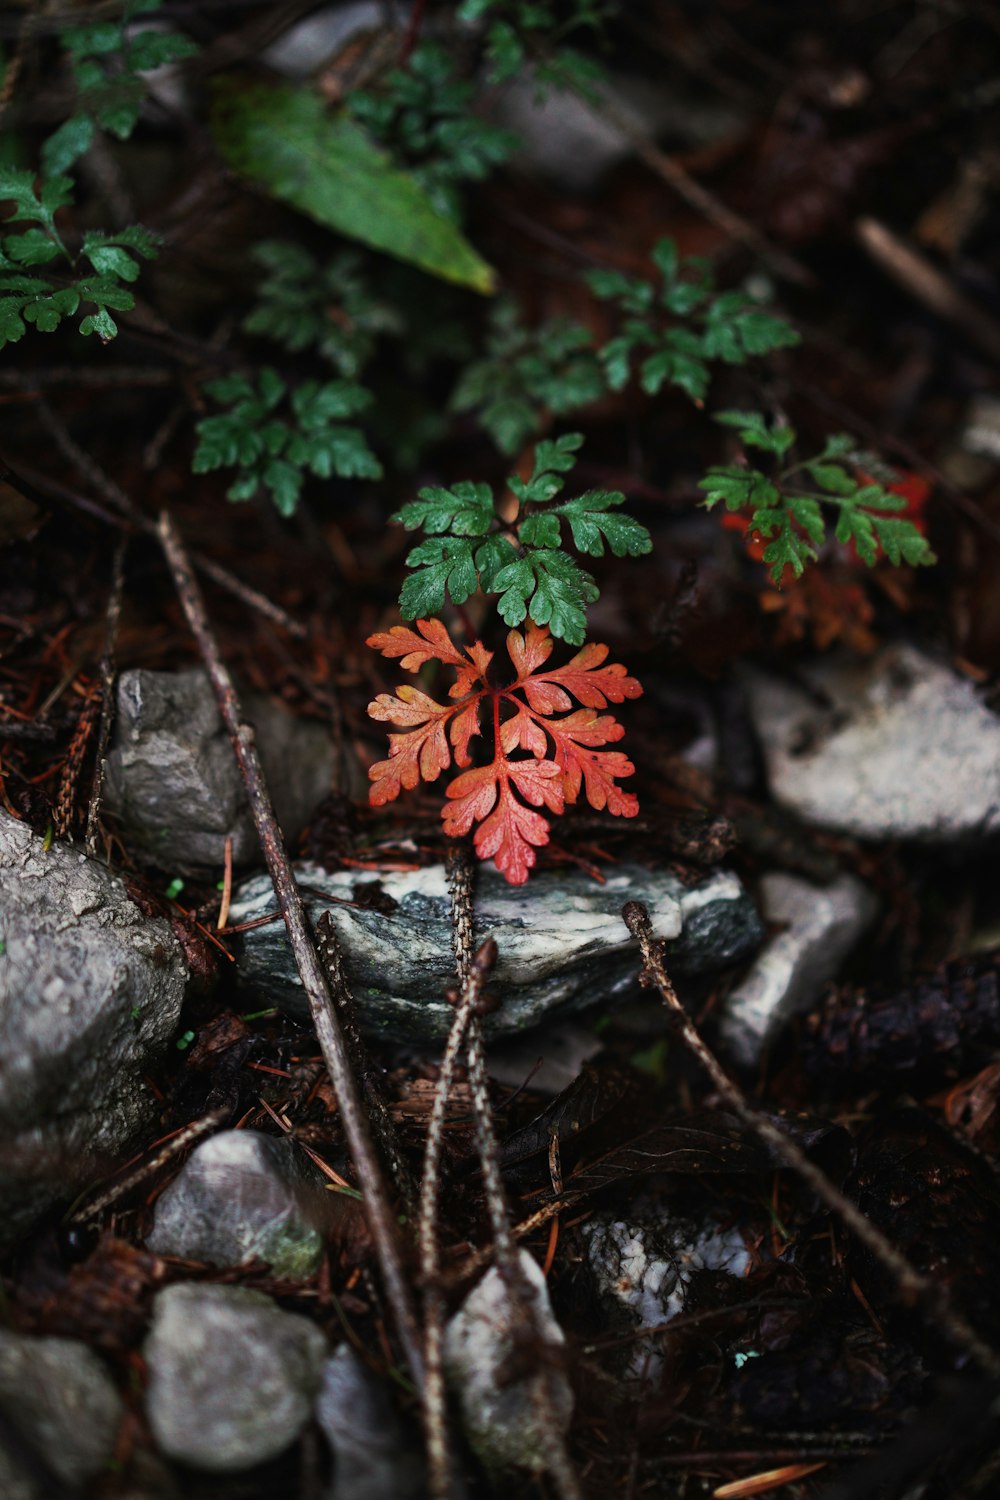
<point x="821" y="924"/>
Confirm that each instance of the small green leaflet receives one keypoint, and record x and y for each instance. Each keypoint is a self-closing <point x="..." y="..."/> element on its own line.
<point x="464" y="510"/>
<point x="285" y="141"/>
<point x="795" y="520"/>
<point x="592" y="522"/>
<point x="273" y="453"/>
<point x="552" y="589"/>
<point x="521" y="560"/>
<point x="726" y="326"/>
<point x="444" y="567"/>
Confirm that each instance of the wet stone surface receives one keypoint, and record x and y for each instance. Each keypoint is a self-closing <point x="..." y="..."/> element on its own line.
<point x="172" y="779"/>
<point x="232" y="1377"/>
<point x="90" y="993"/>
<point x="374" y="1457"/>
<point x="818" y="927"/>
<point x="562" y="942"/>
<point x="642" y="1267"/>
<point x="896" y="746"/>
<point x="58" y="1397"/>
<point x="241" y="1196"/>
<point x="499" y="1414"/>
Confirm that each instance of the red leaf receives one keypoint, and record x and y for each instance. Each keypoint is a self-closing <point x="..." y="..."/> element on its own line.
<point x="558" y="757"/>
<point x="509" y="832"/>
<point x="416" y="650"/>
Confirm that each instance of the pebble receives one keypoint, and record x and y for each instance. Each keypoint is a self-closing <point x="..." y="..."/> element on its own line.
<point x="898" y="746"/>
<point x="821" y="925"/>
<point x="232" y="1377"/>
<point x="243" y="1195"/>
<point x="173" y="783"/>
<point x="58" y="1397"/>
<point x="500" y="1414"/>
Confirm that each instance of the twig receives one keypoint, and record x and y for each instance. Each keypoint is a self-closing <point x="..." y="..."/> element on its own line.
<point x="523" y="1304"/>
<point x="378" y="1210"/>
<point x="186" y="1136"/>
<point x="131" y="515"/>
<point x="107" y="674"/>
<point x="912" y="1287"/>
<point x="918" y="276"/>
<point x="222" y="919"/>
<point x="685" y="186"/>
<point x="435" y="1411"/>
<point x="382" y="1123"/>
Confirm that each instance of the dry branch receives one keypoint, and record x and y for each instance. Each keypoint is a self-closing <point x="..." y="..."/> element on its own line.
<point x="913" y="1288"/>
<point x="377" y="1207"/>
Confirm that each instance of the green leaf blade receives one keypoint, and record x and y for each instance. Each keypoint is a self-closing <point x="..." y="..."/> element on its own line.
<point x="284" y="140"/>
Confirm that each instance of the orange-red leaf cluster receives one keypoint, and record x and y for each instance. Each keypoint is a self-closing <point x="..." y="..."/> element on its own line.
<point x="545" y="732"/>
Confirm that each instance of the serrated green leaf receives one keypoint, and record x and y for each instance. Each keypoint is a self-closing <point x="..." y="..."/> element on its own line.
<point x="515" y="584"/>
<point x="228" y="389"/>
<point x="105" y="293"/>
<point x="66" y="145"/>
<point x="244" y="487"/>
<point x="737" y="487"/>
<point x="443" y="566"/>
<point x="286" y="142"/>
<point x="464" y="510"/>
<point x="155" y="49"/>
<point x="32" y="248"/>
<point x="335" y="450"/>
<point x="856" y="525"/>
<point x="806" y="512"/>
<point x="902" y="542"/>
<point x="754" y="431"/>
<point x="593" y="519"/>
<point x="97" y="40"/>
<point x="831" y="477"/>
<point x="284" y="481"/>
<point x="317" y="405"/>
<point x="684" y="297"/>
<point x="492" y="555"/>
<point x="11" y="322"/>
<point x="47" y="312"/>
<point x="562" y="592"/>
<point x="18" y="186"/>
<point x="609" y="285"/>
<point x="666" y="260"/>
<point x="101" y="323"/>
<point x="679" y="362"/>
<point x="876" y="498"/>
<point x="540" y="530"/>
<point x="616" y="357"/>
<point x="557" y="454"/>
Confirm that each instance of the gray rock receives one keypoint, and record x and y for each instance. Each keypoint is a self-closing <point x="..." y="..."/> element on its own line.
<point x="642" y="1269"/>
<point x="500" y="1415"/>
<point x="59" y="1399"/>
<point x="302" y="50"/>
<point x="898" y="746"/>
<point x="562" y="942"/>
<point x="551" y="1056"/>
<point x="822" y="925"/>
<point x="375" y="1458"/>
<point x="563" y="139"/>
<point x="243" y="1194"/>
<point x="90" y="992"/>
<point x="232" y="1377"/>
<point x="173" y="782"/>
